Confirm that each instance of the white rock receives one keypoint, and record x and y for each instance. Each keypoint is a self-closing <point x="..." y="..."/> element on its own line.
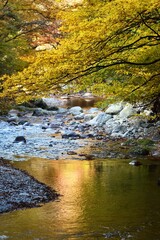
<point x="87" y="94"/>
<point x="76" y="110"/>
<point x="114" y="108"/>
<point x="53" y="102"/>
<point x="100" y="119"/>
<point x="127" y="111"/>
<point x="88" y="117"/>
<point x="148" y="112"/>
<point x="44" y="47"/>
<point x="93" y="110"/>
<point x="3" y="237"/>
<point x="79" y="116"/>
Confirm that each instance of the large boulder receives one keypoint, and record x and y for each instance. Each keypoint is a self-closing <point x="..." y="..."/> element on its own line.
<point x="42" y="112"/>
<point x="76" y="110"/>
<point x="93" y="110"/>
<point x="127" y="111"/>
<point x="100" y="119"/>
<point x="53" y="102"/>
<point x="36" y="103"/>
<point x="114" y="108"/>
<point x="50" y="104"/>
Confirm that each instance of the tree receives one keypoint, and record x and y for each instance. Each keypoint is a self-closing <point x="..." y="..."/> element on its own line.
<point x="21" y="26"/>
<point x="9" y="50"/>
<point x="110" y="47"/>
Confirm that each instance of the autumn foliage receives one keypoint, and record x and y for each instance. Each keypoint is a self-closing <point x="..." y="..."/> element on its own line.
<point x="111" y="48"/>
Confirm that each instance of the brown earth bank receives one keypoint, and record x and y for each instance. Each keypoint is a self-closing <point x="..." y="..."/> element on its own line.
<point x="19" y="190"/>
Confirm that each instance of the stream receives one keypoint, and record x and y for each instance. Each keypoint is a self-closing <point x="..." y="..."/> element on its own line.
<point x="100" y="199"/>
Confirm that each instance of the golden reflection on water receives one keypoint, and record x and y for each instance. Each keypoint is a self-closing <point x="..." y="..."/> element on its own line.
<point x="72" y="179"/>
<point x="97" y="196"/>
<point x="69" y="182"/>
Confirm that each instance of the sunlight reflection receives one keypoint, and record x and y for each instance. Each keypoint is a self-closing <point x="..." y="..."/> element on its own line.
<point x="70" y="182"/>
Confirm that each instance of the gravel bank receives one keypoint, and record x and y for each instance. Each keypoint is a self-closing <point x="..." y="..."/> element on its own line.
<point x="19" y="190"/>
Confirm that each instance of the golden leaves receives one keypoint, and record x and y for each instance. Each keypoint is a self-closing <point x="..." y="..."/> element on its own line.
<point x="106" y="47"/>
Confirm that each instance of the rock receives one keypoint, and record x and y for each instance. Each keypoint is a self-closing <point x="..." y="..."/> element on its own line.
<point x="76" y="110"/>
<point x="91" y="135"/>
<point x="13" y="119"/>
<point x="3" y="237"/>
<point x="158" y="123"/>
<point x="44" y="127"/>
<point x="114" y="108"/>
<point x="70" y="134"/>
<point x="147" y="112"/>
<point x="27" y="124"/>
<point x="20" y="139"/>
<point x="71" y="153"/>
<point x="87" y="95"/>
<point x="40" y="104"/>
<point x="23" y="122"/>
<point x="79" y="117"/>
<point x="3" y="124"/>
<point x="13" y="113"/>
<point x="54" y="108"/>
<point x="44" y="47"/>
<point x="88" y="117"/>
<point x="135" y="163"/>
<point x="53" y="102"/>
<point x="62" y="111"/>
<point x="156" y="153"/>
<point x="127" y="111"/>
<point x="87" y="156"/>
<point x="156" y="136"/>
<point x="42" y="112"/>
<point x="100" y="119"/>
<point x="93" y="110"/>
<point x="139" y="151"/>
<point x="55" y="125"/>
<point x="19" y="190"/>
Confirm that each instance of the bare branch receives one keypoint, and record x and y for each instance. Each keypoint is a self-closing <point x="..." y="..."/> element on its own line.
<point x="145" y="23"/>
<point x="147" y="81"/>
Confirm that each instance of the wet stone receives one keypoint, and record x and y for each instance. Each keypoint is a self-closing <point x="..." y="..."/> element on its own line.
<point x="20" y="139"/>
<point x="21" y="190"/>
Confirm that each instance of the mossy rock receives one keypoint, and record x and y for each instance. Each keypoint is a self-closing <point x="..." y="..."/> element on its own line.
<point x="145" y="142"/>
<point x="139" y="151"/>
<point x="139" y="142"/>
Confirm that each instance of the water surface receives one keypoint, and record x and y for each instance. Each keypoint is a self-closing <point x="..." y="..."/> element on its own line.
<point x="101" y="199"/>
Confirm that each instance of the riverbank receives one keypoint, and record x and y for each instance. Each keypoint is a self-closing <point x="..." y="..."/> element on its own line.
<point x="48" y="131"/>
<point x="19" y="190"/>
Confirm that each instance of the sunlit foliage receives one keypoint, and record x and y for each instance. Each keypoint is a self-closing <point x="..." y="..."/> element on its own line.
<point x="109" y="47"/>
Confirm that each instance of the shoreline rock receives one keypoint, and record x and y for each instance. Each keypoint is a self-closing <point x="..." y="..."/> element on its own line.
<point x="19" y="190"/>
<point x="54" y="133"/>
<point x="68" y="133"/>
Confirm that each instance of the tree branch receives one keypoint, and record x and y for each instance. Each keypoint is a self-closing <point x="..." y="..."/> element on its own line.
<point x="143" y="20"/>
<point x="147" y="81"/>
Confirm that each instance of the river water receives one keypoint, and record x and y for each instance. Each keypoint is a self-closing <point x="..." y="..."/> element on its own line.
<point x="100" y="199"/>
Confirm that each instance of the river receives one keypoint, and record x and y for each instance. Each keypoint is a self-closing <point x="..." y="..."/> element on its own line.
<point x="100" y="199"/>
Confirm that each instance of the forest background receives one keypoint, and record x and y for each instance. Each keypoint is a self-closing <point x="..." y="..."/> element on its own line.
<point x="111" y="48"/>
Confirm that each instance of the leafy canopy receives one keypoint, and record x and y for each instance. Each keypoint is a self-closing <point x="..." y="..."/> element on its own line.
<point x="108" y="47"/>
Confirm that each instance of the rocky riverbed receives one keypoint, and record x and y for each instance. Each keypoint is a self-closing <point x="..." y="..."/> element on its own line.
<point x="46" y="130"/>
<point x="19" y="190"/>
<point x="58" y="133"/>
